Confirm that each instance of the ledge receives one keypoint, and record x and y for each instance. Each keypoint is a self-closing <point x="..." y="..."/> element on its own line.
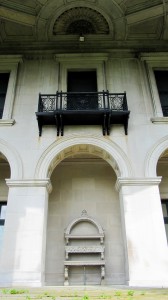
<point x="159" y="120"/>
<point x="84" y="263"/>
<point x="146" y="181"/>
<point x="8" y="122"/>
<point x="30" y="183"/>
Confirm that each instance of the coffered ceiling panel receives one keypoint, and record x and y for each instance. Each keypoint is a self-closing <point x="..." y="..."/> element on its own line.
<point x="39" y="21"/>
<point x="150" y="29"/>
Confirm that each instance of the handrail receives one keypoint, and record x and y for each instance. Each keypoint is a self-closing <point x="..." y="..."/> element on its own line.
<point x="82" y="101"/>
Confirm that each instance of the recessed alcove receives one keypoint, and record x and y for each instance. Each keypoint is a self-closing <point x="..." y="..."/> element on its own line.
<point x="84" y="182"/>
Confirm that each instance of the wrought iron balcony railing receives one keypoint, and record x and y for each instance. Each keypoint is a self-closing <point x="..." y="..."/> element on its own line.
<point x="101" y="108"/>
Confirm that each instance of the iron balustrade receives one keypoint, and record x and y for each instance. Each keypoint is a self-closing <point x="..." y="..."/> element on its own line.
<point x="82" y="108"/>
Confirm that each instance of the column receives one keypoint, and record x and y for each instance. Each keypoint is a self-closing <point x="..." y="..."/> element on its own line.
<point x="144" y="232"/>
<point x="23" y="251"/>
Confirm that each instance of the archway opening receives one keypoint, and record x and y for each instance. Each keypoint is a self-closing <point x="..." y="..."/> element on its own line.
<point x="84" y="181"/>
<point x="162" y="170"/>
<point x="4" y="173"/>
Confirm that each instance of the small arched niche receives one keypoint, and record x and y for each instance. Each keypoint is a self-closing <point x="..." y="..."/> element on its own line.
<point x="81" y="249"/>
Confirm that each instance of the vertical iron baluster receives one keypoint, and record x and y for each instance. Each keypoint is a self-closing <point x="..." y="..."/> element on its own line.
<point x="61" y="100"/>
<point x="56" y="99"/>
<point x="125" y="107"/>
<point x="39" y="103"/>
<point x="104" y="105"/>
<point x="108" y="101"/>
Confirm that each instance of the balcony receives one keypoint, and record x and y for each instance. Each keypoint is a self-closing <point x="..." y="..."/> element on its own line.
<point x="100" y="108"/>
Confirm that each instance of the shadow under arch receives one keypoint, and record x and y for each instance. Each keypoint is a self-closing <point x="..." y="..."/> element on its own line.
<point x="107" y="150"/>
<point x="153" y="156"/>
<point x="13" y="159"/>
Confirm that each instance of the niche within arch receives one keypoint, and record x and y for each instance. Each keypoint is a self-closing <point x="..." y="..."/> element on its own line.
<point x="90" y="248"/>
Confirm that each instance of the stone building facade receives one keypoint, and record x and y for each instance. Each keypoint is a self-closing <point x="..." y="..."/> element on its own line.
<point x="106" y="161"/>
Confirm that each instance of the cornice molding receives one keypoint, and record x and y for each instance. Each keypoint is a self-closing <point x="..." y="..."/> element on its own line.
<point x="137" y="182"/>
<point x="30" y="183"/>
<point x="84" y="56"/>
<point x="153" y="56"/>
<point x="10" y="59"/>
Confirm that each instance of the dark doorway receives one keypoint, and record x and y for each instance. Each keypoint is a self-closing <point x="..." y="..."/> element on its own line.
<point x="83" y="88"/>
<point x="4" y="78"/>
<point x="162" y="85"/>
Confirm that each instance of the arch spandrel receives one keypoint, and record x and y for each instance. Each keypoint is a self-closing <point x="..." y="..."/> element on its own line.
<point x="107" y="150"/>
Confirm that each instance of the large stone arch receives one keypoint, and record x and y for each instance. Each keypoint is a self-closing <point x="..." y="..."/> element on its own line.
<point x="13" y="158"/>
<point x="153" y="156"/>
<point x="107" y="150"/>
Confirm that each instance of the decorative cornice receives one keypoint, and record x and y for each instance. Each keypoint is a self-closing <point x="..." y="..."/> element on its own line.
<point x="137" y="182"/>
<point x="84" y="56"/>
<point x="10" y="59"/>
<point x="153" y="56"/>
<point x="30" y="183"/>
<point x="38" y="56"/>
<point x="9" y="122"/>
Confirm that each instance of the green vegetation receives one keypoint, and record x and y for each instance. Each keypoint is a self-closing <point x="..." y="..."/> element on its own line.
<point x="82" y="294"/>
<point x="130" y="293"/>
<point x="13" y="291"/>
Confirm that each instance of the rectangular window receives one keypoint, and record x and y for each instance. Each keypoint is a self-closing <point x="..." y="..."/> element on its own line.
<point x="3" y="206"/>
<point x="162" y="85"/>
<point x="4" y="79"/>
<point x="165" y="215"/>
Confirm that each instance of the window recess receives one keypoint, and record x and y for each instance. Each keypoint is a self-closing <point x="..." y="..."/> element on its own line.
<point x="162" y="85"/>
<point x="4" y="79"/>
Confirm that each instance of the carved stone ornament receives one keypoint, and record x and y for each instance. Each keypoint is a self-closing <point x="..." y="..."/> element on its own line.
<point x="84" y="249"/>
<point x="80" y="20"/>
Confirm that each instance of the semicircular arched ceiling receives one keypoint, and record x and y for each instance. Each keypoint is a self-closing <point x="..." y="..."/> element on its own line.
<point x="78" y="20"/>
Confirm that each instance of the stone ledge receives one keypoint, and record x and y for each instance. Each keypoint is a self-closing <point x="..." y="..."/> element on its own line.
<point x="8" y="122"/>
<point x="85" y="263"/>
<point x="159" y="120"/>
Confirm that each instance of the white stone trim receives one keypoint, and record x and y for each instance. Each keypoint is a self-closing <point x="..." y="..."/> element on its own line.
<point x="106" y="149"/>
<point x="153" y="156"/>
<point x="84" y="263"/>
<point x="9" y="63"/>
<point x="30" y="183"/>
<point x="82" y="61"/>
<point x="13" y="158"/>
<point x="160" y="120"/>
<point x="9" y="122"/>
<point x="137" y="182"/>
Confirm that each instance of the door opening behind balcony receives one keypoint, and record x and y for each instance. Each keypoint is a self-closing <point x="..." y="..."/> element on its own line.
<point x="80" y="84"/>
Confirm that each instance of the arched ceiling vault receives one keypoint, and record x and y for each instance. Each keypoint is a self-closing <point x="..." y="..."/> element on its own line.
<point x="37" y="23"/>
